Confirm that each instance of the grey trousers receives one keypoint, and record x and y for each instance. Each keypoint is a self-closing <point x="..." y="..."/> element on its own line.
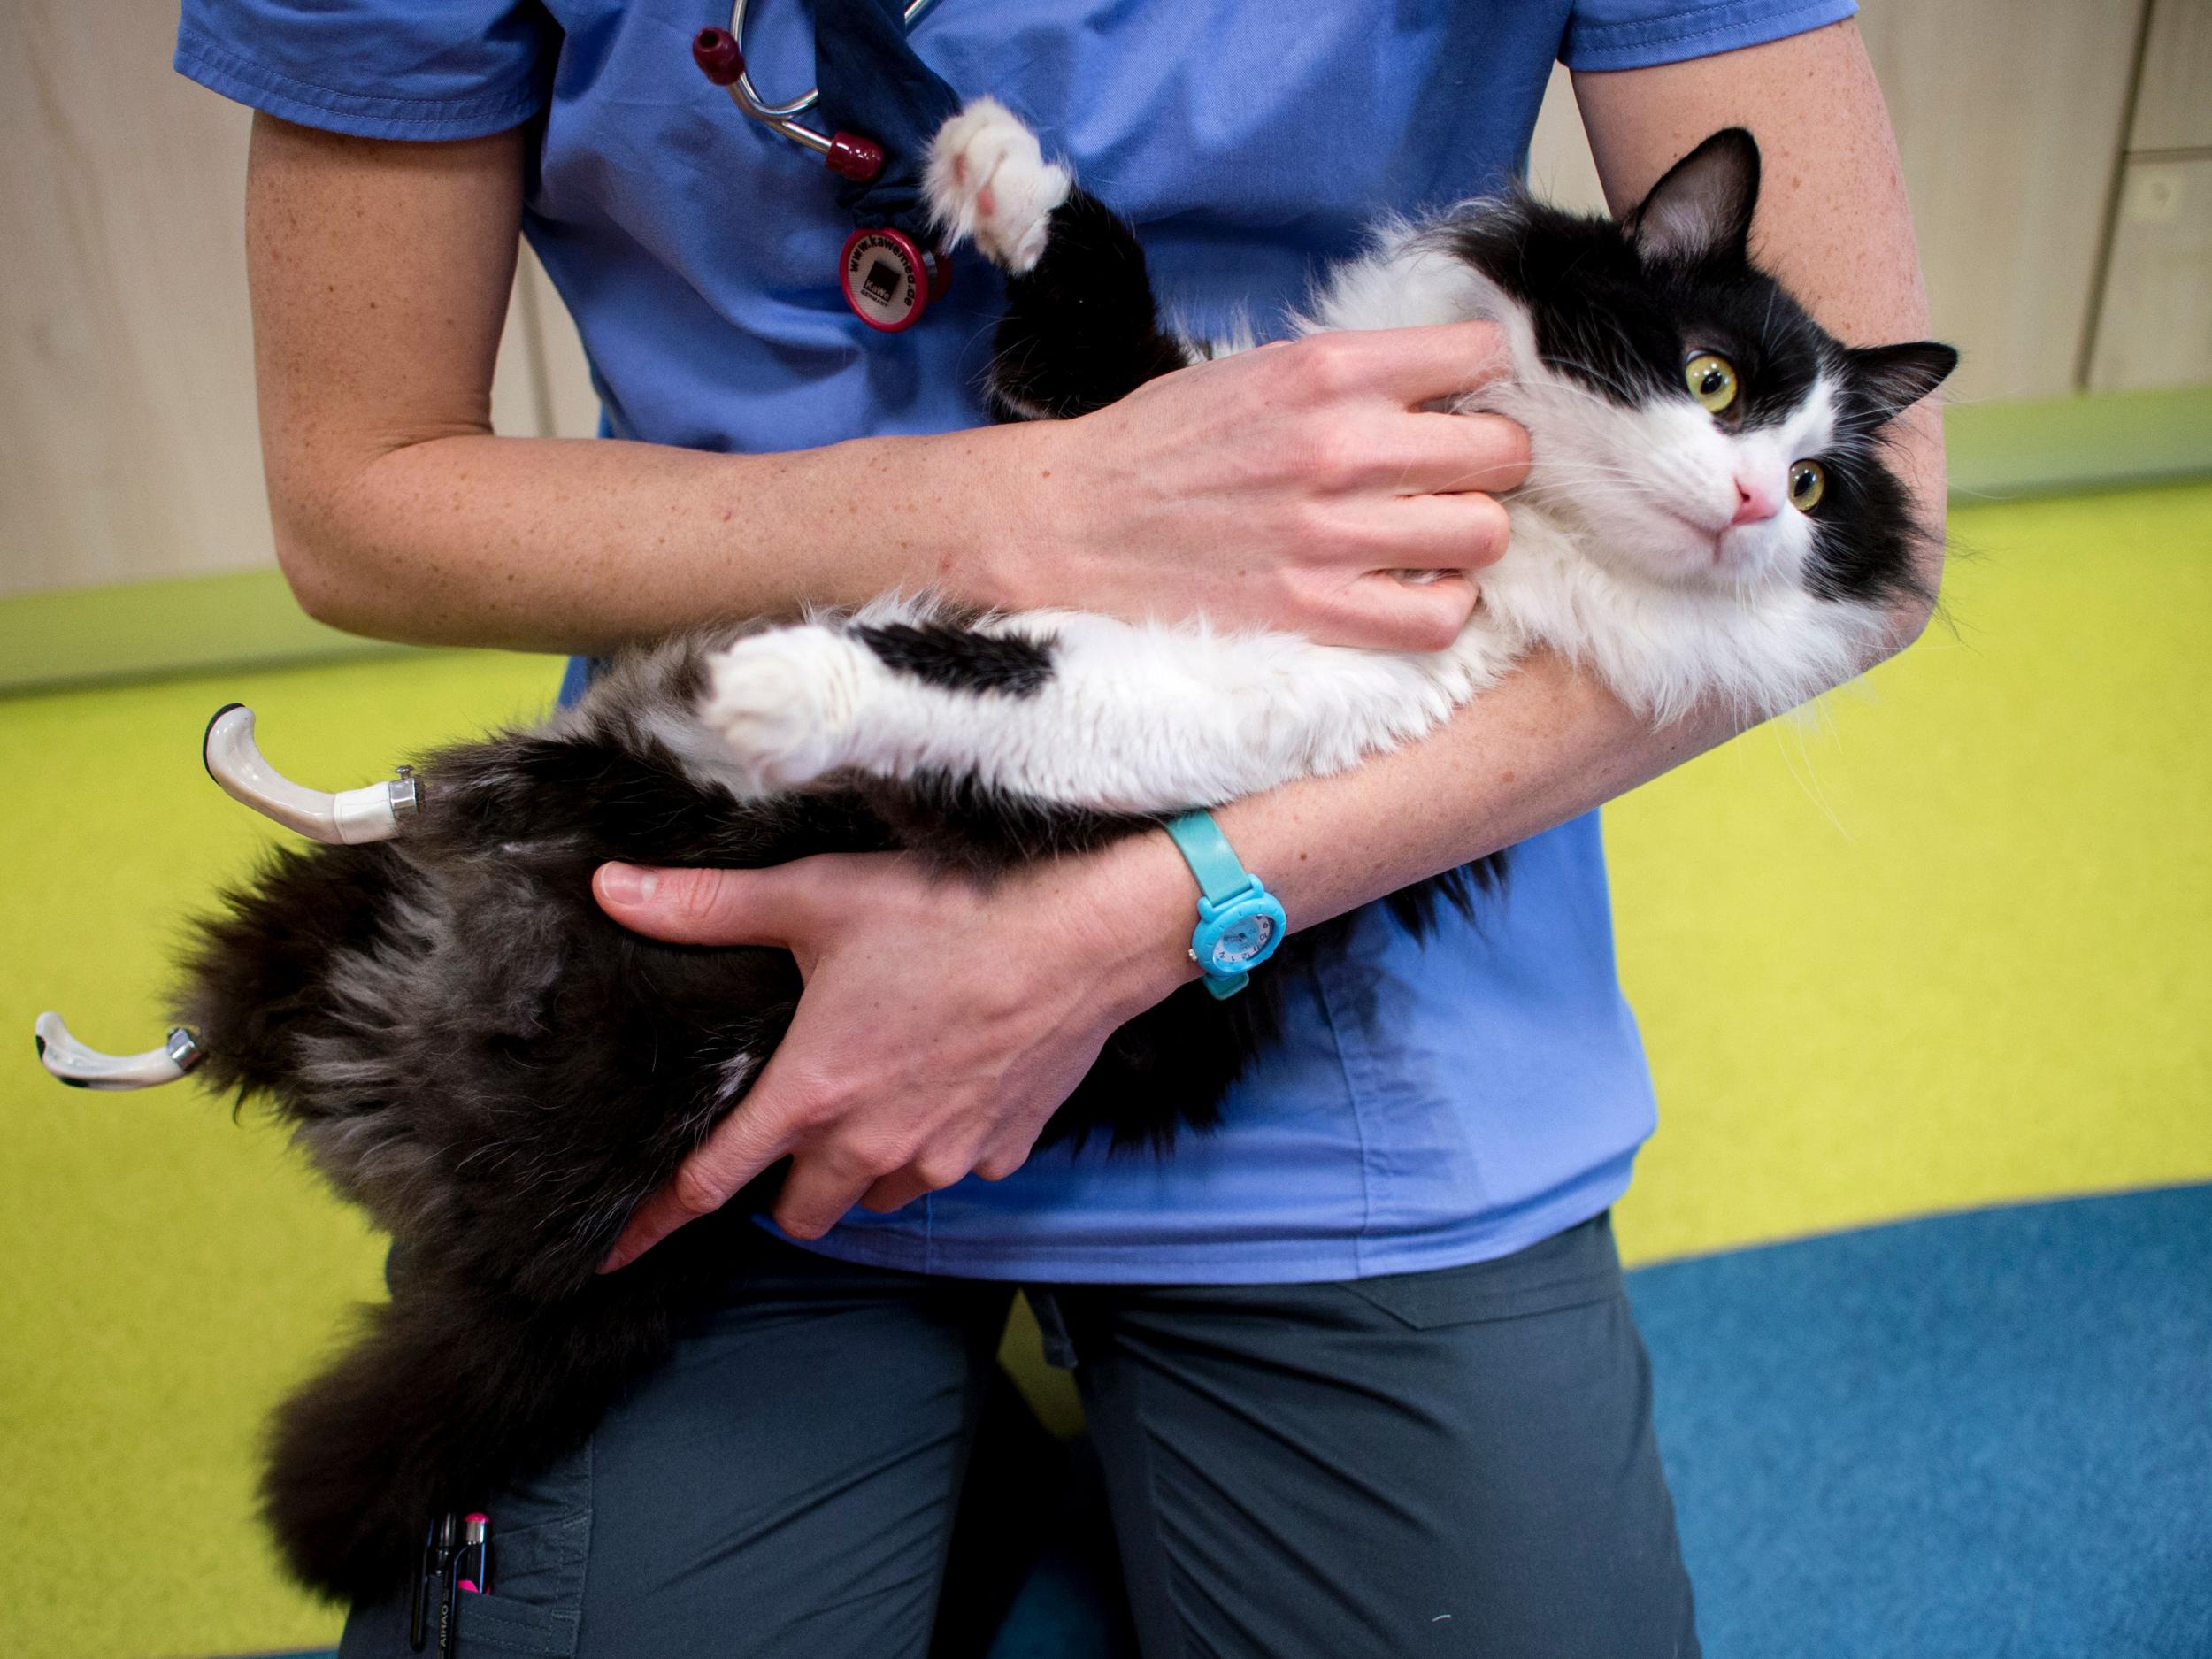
<point x="1449" y="1462"/>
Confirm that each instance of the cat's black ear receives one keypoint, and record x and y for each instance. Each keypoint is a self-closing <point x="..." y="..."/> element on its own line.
<point x="1890" y="380"/>
<point x="1702" y="206"/>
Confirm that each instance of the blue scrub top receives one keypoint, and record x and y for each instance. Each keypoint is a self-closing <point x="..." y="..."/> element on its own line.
<point x="1433" y="1103"/>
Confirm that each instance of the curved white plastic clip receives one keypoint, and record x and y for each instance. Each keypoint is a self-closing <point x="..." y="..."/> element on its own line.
<point x="371" y="814"/>
<point x="81" y="1067"/>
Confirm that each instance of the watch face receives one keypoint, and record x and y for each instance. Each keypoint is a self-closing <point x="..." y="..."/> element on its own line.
<point x="1243" y="939"/>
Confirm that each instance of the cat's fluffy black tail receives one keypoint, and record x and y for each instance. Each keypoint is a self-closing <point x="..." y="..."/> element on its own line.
<point x="445" y="1394"/>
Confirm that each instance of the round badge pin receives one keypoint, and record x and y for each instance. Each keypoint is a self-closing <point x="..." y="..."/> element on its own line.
<point x="886" y="281"/>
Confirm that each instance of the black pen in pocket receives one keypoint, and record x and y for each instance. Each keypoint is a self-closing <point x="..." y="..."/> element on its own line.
<point x="468" y="1573"/>
<point x="431" y="1579"/>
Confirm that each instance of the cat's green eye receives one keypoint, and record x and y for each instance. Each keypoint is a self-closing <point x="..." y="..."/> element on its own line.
<point x="1712" y="381"/>
<point x="1808" y="481"/>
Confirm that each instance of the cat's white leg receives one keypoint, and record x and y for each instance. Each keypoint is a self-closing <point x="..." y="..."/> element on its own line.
<point x="988" y="179"/>
<point x="785" y="704"/>
<point x="1132" y="717"/>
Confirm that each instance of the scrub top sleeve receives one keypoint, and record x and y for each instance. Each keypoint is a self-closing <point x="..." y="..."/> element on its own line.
<point x="1637" y="34"/>
<point x="411" y="69"/>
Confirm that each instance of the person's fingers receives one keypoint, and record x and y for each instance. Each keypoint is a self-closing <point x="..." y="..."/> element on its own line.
<point x="740" y="1148"/>
<point x="937" y="1165"/>
<point x="1449" y="455"/>
<point x="1006" y="1151"/>
<point x="825" y="1182"/>
<point x="895" y="1191"/>
<point x="702" y="907"/>
<point x="1413" y="366"/>
<point x="1386" y="612"/>
<point x="1353" y="535"/>
<point x="1416" y="590"/>
<point x="1443" y="532"/>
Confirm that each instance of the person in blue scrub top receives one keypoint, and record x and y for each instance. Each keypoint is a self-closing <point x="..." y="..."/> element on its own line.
<point x="1359" y="1367"/>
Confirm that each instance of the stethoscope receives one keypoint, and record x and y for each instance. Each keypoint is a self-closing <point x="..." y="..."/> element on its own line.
<point x="887" y="276"/>
<point x="351" y="818"/>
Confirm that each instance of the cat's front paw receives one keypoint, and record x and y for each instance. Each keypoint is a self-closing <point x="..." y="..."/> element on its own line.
<point x="785" y="705"/>
<point x="989" y="179"/>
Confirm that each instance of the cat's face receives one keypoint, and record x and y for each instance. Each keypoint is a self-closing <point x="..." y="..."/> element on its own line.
<point x="1684" y="410"/>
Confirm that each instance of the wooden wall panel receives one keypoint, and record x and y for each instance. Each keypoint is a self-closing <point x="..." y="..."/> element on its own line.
<point x="128" y="446"/>
<point x="2173" y="108"/>
<point x="2008" y="117"/>
<point x="127" y="441"/>
<point x="2155" y="327"/>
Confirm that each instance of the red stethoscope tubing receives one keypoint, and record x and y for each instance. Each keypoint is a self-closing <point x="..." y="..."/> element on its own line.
<point x="921" y="276"/>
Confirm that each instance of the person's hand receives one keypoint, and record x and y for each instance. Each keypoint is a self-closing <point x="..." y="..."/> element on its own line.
<point x="1284" y="487"/>
<point x="942" y="1023"/>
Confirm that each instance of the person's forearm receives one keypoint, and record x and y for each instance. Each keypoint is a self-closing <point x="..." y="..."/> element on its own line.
<point x="550" y="544"/>
<point x="1275" y="489"/>
<point x="1541" y="748"/>
<point x="380" y="275"/>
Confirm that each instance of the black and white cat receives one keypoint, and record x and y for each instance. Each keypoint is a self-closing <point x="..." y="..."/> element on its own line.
<point x="466" y="1047"/>
<point x="1708" y="511"/>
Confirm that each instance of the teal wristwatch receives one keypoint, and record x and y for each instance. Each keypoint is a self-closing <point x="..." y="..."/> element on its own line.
<point x="1239" y="924"/>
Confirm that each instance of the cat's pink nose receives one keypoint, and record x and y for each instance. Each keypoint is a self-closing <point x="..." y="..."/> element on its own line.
<point x="1753" y="505"/>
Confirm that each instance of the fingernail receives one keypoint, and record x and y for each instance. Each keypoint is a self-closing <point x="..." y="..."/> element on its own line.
<point x="626" y="884"/>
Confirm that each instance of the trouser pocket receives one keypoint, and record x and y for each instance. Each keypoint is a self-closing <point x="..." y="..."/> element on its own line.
<point x="499" y="1625"/>
<point x="541" y="1543"/>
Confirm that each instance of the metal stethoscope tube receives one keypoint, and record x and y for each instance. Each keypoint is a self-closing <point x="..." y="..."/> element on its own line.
<point x="778" y="116"/>
<point x="886" y="276"/>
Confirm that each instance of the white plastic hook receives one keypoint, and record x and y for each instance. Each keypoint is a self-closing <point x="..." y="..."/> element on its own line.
<point x="355" y="815"/>
<point x="81" y="1067"/>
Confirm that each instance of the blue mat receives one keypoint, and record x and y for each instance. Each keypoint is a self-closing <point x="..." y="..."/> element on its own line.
<point x="1987" y="1435"/>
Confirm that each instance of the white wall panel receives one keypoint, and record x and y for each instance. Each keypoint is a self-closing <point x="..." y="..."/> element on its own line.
<point x="130" y="449"/>
<point x="2155" y="328"/>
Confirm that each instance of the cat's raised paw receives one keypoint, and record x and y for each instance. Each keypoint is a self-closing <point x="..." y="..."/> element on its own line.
<point x="989" y="179"/>
<point x="785" y="704"/>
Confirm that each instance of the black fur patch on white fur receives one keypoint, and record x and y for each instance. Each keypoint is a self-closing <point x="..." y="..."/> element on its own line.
<point x="962" y="660"/>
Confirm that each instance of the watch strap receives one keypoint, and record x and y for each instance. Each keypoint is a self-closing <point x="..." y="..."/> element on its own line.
<point x="1221" y="874"/>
